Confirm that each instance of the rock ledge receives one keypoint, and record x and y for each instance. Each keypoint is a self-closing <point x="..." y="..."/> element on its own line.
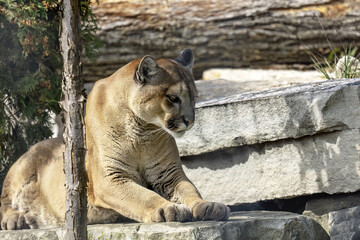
<point x="242" y="225"/>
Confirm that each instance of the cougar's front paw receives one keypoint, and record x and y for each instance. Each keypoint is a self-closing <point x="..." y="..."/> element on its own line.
<point x="211" y="211"/>
<point x="172" y="213"/>
<point x="14" y="221"/>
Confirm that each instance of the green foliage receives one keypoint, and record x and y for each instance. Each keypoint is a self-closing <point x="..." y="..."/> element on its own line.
<point x="30" y="71"/>
<point x="322" y="66"/>
<point x="328" y="65"/>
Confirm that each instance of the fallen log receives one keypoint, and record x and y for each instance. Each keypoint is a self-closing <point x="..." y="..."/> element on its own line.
<point x="257" y="34"/>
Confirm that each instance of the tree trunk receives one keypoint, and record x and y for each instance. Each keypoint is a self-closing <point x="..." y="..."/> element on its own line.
<point x="226" y="33"/>
<point x="73" y="108"/>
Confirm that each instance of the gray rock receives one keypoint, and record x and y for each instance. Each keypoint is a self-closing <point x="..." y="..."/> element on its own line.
<point x="274" y="77"/>
<point x="328" y="204"/>
<point x="345" y="224"/>
<point x="227" y="81"/>
<point x="319" y="208"/>
<point x="322" y="219"/>
<point x="323" y="163"/>
<point x="252" y="118"/>
<point x="242" y="225"/>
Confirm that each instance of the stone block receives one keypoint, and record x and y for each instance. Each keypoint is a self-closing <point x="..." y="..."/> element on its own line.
<point x="345" y="224"/>
<point x="328" y="204"/>
<point x="226" y="82"/>
<point x="322" y="163"/>
<point x="275" y="78"/>
<point x="319" y="208"/>
<point x="251" y="118"/>
<point x="242" y="225"/>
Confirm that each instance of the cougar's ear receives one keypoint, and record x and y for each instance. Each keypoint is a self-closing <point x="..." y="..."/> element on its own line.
<point x="146" y="69"/>
<point x="186" y="58"/>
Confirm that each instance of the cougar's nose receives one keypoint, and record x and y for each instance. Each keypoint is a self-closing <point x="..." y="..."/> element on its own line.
<point x="188" y="122"/>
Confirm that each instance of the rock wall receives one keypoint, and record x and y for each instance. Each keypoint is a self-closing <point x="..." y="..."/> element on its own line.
<point x="279" y="143"/>
<point x="294" y="142"/>
<point x="339" y="215"/>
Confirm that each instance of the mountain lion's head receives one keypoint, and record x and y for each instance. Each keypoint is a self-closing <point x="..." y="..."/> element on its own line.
<point x="164" y="92"/>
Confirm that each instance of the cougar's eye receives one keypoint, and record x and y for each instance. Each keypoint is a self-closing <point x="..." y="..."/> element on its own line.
<point x="173" y="98"/>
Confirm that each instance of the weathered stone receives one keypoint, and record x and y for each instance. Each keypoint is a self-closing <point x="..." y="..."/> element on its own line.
<point x="327" y="162"/>
<point x="274" y="77"/>
<point x="345" y="224"/>
<point x="226" y="82"/>
<point x="242" y="225"/>
<point x="252" y="118"/>
<point x="328" y="204"/>
<point x="323" y="219"/>
<point x="319" y="208"/>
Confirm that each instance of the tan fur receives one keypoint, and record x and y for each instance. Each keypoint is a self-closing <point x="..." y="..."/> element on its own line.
<point x="133" y="164"/>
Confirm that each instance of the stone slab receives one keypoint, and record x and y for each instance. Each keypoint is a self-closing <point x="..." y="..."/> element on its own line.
<point x="322" y="163"/>
<point x="345" y="224"/>
<point x="329" y="204"/>
<point x="275" y="78"/>
<point x="225" y="82"/>
<point x="319" y="208"/>
<point x="242" y="225"/>
<point x="293" y="112"/>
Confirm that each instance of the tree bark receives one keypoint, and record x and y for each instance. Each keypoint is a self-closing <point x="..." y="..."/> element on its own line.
<point x="226" y="33"/>
<point x="73" y="109"/>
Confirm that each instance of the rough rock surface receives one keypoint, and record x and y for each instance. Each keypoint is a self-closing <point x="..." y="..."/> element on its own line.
<point x="319" y="208"/>
<point x="291" y="77"/>
<point x="327" y="162"/>
<point x="272" y="115"/>
<point x="345" y="224"/>
<point x="279" y="143"/>
<point x="228" y="81"/>
<point x="242" y="225"/>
